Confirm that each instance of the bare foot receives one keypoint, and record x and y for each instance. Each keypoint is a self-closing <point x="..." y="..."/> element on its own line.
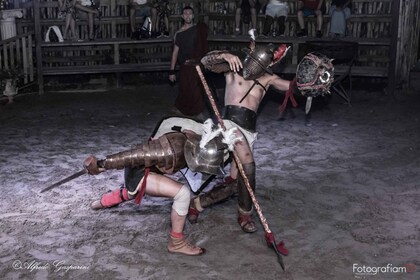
<point x="96" y="205"/>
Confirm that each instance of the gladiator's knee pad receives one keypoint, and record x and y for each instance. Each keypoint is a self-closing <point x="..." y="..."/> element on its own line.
<point x="132" y="177"/>
<point x="244" y="199"/>
<point x="182" y="201"/>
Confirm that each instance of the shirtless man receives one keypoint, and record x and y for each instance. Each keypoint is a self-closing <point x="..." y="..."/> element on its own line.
<point x="247" y="82"/>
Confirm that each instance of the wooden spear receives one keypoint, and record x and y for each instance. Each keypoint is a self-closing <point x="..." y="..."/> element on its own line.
<point x="269" y="237"/>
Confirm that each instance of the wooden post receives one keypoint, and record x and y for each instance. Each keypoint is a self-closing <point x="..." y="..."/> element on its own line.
<point x="38" y="41"/>
<point x="394" y="46"/>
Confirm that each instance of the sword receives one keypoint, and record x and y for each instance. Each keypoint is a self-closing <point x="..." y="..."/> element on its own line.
<point x="65" y="180"/>
<point x="308" y="104"/>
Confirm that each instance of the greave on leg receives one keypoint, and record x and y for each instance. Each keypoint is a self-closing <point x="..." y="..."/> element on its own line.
<point x="111" y="199"/>
<point x="114" y="198"/>
<point x="217" y="194"/>
<point x="244" y="199"/>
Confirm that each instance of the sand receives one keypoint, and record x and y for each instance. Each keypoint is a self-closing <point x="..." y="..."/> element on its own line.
<point x="342" y="193"/>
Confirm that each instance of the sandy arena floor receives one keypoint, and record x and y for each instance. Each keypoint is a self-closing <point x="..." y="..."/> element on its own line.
<point x="343" y="193"/>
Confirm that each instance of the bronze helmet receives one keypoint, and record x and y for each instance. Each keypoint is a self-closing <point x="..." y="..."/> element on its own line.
<point x="257" y="62"/>
<point x="208" y="159"/>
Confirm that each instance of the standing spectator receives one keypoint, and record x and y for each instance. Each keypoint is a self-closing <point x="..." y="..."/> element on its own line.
<point x="68" y="13"/>
<point x="144" y="9"/>
<point x="91" y="8"/>
<point x="340" y="12"/>
<point x="162" y="13"/>
<point x="307" y="8"/>
<point x="247" y="9"/>
<point x="275" y="9"/>
<point x="190" y="45"/>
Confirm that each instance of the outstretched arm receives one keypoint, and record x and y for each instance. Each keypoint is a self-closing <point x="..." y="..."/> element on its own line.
<point x="221" y="61"/>
<point x="279" y="83"/>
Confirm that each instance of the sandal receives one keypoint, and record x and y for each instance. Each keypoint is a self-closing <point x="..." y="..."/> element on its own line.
<point x="246" y="223"/>
<point x="181" y="246"/>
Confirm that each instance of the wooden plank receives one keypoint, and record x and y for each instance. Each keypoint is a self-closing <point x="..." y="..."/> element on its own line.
<point x="25" y="52"/>
<point x="12" y="55"/>
<point x="291" y="40"/>
<point x="364" y="71"/>
<point x="111" y="68"/>
<point x="38" y="38"/>
<point x="31" y="60"/>
<point x="18" y="53"/>
<point x="360" y="71"/>
<point x="5" y="57"/>
<point x="110" y="41"/>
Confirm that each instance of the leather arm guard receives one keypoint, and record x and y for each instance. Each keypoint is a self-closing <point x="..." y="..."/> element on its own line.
<point x="166" y="153"/>
<point x="214" y="62"/>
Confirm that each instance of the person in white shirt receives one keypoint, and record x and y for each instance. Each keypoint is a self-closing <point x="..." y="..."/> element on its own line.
<point x="276" y="9"/>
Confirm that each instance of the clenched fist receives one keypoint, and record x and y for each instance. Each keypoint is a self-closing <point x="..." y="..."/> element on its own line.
<point x="91" y="165"/>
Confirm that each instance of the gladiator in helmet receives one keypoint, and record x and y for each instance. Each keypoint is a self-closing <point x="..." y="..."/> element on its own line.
<point x="260" y="59"/>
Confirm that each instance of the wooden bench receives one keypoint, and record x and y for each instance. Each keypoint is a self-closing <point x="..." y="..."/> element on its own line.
<point x="154" y="54"/>
<point x="111" y="56"/>
<point x="106" y="56"/>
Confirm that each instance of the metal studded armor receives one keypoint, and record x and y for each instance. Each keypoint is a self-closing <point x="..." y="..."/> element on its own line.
<point x="166" y="153"/>
<point x="314" y="75"/>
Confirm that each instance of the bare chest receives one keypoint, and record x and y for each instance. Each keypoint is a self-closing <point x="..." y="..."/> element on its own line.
<point x="244" y="93"/>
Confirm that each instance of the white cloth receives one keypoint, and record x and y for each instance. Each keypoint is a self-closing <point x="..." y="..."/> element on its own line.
<point x="277" y="9"/>
<point x="251" y="137"/>
<point x="339" y="18"/>
<point x="140" y="2"/>
<point x="86" y="3"/>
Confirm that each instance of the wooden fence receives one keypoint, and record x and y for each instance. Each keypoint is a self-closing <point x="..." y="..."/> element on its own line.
<point x="374" y="24"/>
<point x="407" y="42"/>
<point x="17" y="53"/>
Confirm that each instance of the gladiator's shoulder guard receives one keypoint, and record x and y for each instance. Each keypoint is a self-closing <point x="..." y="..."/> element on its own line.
<point x="214" y="62"/>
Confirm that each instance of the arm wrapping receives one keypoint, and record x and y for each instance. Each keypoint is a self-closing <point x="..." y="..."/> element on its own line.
<point x="214" y="62"/>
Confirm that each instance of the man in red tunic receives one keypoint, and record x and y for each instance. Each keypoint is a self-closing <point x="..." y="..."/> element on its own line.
<point x="190" y="44"/>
